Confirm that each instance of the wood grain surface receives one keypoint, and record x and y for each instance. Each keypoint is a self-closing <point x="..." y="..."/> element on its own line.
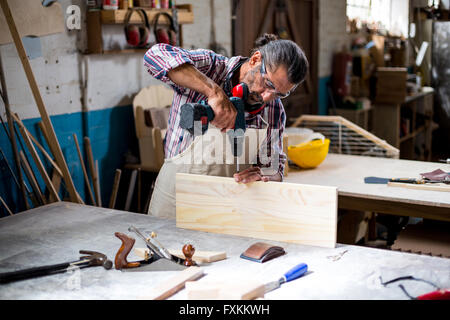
<point x="288" y="212"/>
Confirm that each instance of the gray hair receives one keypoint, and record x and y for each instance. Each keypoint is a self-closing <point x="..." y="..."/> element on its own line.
<point x="278" y="52"/>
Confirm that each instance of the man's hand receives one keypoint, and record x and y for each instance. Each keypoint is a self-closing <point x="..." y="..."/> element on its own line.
<point x="254" y="174"/>
<point x="188" y="76"/>
<point x="224" y="111"/>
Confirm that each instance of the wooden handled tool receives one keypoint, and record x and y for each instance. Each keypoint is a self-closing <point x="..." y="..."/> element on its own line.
<point x="120" y="261"/>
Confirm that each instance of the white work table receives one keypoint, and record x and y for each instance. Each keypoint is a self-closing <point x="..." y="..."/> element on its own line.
<point x="55" y="233"/>
<point x="347" y="173"/>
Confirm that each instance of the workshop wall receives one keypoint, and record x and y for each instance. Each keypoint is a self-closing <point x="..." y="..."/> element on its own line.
<point x="89" y="95"/>
<point x="332" y="37"/>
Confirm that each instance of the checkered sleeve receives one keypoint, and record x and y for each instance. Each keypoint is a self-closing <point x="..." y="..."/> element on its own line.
<point x="161" y="58"/>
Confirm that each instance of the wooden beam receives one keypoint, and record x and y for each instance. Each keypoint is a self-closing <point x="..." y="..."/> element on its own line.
<point x="39" y="102"/>
<point x="305" y="214"/>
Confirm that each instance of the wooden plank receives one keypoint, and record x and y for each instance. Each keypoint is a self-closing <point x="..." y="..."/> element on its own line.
<point x="39" y="102"/>
<point x="305" y="214"/>
<point x="429" y="187"/>
<point x="33" y="19"/>
<point x="224" y="290"/>
<point x="171" y="286"/>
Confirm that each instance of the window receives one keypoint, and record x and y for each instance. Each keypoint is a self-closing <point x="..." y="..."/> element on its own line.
<point x="386" y="15"/>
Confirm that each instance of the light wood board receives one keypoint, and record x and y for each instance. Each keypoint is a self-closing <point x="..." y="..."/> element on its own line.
<point x="174" y="284"/>
<point x="224" y="290"/>
<point x="297" y="213"/>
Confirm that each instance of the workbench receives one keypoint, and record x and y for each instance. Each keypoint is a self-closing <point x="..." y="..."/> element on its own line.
<point x="347" y="173"/>
<point x="56" y="232"/>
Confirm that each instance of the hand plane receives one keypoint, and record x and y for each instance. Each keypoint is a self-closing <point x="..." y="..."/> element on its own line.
<point x="159" y="258"/>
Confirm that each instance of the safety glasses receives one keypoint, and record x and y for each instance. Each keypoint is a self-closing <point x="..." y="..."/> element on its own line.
<point x="269" y="85"/>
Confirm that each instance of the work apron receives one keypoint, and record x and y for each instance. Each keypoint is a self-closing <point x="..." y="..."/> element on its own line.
<point x="209" y="154"/>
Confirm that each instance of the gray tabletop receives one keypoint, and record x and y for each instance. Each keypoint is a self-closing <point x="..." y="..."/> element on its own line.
<point x="56" y="232"/>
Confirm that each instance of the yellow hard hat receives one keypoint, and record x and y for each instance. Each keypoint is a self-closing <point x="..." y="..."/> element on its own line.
<point x="309" y="154"/>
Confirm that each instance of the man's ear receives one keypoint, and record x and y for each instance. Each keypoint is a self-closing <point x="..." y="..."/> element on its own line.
<point x="255" y="58"/>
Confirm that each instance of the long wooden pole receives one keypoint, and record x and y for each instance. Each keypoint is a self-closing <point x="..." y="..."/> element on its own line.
<point x="115" y="189"/>
<point x="39" y="102"/>
<point x="12" y="136"/>
<point x="44" y="152"/>
<point x="83" y="167"/>
<point x="91" y="162"/>
<point x="39" y="164"/>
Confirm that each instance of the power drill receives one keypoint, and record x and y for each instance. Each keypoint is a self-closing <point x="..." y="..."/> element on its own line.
<point x="192" y="115"/>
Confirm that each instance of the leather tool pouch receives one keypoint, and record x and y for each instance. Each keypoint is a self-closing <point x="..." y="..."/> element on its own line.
<point x="262" y="252"/>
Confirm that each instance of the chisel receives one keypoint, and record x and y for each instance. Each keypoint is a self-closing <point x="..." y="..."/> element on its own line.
<point x="292" y="274"/>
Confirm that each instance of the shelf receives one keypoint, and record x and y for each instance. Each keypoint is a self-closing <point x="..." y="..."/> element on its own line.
<point x="97" y="19"/>
<point x="185" y="15"/>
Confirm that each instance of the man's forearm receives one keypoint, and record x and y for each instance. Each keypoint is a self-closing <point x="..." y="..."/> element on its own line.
<point x="187" y="76"/>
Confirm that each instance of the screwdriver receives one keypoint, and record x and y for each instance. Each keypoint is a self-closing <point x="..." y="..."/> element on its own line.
<point x="292" y="274"/>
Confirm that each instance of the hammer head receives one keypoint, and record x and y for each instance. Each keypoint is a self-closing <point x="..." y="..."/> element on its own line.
<point x="96" y="259"/>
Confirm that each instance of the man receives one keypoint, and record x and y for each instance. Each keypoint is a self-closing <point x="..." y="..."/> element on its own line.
<point x="273" y="70"/>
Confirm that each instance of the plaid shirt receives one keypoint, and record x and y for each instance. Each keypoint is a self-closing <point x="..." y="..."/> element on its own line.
<point x="161" y="58"/>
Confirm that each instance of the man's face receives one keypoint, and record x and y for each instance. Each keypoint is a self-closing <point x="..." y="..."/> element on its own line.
<point x="266" y="85"/>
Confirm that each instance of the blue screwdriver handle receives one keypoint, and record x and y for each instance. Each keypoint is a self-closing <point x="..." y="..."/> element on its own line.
<point x="296" y="272"/>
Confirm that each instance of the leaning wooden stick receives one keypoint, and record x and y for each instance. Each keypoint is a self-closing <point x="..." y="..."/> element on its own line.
<point x="87" y="145"/>
<point x="39" y="165"/>
<point x="97" y="184"/>
<point x="12" y="136"/>
<point x="38" y="99"/>
<point x="31" y="178"/>
<point x="6" y="207"/>
<point x="83" y="167"/>
<point x="115" y="189"/>
<point x="40" y="147"/>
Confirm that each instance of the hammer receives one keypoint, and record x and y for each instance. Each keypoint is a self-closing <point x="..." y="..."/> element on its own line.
<point x="91" y="259"/>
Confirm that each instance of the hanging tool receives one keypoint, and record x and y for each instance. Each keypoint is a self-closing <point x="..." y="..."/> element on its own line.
<point x="294" y="273"/>
<point x="194" y="114"/>
<point x="92" y="259"/>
